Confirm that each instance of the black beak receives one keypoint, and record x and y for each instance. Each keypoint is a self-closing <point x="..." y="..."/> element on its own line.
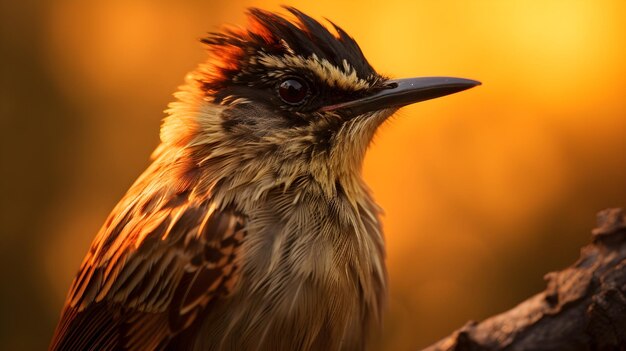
<point x="402" y="92"/>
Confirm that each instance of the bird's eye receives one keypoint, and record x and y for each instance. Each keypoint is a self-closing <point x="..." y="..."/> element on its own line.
<point x="293" y="90"/>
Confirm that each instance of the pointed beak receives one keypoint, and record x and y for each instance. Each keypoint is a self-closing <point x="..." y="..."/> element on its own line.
<point x="402" y="92"/>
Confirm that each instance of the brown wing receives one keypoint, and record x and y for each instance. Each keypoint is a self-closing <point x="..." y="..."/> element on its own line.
<point x="155" y="265"/>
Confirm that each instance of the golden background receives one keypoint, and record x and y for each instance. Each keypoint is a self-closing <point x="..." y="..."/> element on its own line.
<point x="484" y="191"/>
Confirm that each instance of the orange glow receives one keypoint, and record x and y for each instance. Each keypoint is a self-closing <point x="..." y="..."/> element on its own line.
<point x="484" y="191"/>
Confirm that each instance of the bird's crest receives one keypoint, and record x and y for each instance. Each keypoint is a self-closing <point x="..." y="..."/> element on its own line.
<point x="274" y="41"/>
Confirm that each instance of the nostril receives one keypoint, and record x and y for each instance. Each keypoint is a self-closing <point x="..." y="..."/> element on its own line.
<point x="391" y="85"/>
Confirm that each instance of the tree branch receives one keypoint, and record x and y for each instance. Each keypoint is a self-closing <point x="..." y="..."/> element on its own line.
<point x="582" y="308"/>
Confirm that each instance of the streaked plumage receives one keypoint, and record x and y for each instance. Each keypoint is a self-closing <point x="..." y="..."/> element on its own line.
<point x="252" y="229"/>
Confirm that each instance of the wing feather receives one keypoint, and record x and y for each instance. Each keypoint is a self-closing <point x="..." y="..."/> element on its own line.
<point x="149" y="274"/>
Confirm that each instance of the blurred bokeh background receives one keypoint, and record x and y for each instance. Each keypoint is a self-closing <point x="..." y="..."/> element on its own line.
<point x="484" y="191"/>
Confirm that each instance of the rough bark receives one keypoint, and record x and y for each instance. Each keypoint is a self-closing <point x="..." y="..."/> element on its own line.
<point x="582" y="308"/>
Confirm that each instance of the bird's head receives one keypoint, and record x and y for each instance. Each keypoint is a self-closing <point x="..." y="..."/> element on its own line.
<point x="288" y="98"/>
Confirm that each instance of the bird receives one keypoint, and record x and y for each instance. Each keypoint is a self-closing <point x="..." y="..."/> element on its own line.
<point x="252" y="228"/>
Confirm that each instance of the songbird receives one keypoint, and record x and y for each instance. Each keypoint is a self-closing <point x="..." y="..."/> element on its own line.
<point x="252" y="229"/>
